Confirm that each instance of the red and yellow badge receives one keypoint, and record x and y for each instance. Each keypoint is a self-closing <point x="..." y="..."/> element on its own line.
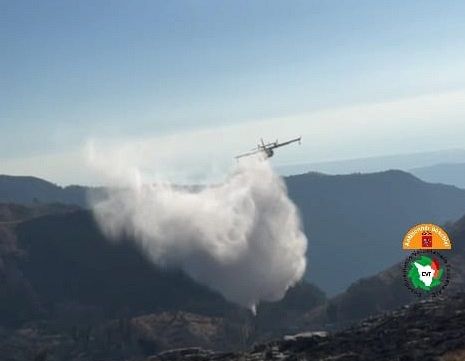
<point x="426" y="236"/>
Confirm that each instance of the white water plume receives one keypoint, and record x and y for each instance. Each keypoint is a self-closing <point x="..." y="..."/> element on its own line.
<point x="242" y="237"/>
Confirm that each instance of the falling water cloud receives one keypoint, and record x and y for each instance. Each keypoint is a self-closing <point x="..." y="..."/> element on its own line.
<point x="241" y="237"/>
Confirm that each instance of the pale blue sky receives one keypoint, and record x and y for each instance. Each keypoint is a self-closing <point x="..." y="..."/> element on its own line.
<point x="71" y="71"/>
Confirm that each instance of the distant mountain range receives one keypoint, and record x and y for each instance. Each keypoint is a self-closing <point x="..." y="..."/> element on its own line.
<point x="355" y="223"/>
<point x="404" y="162"/>
<point x="347" y="218"/>
<point x="445" y="173"/>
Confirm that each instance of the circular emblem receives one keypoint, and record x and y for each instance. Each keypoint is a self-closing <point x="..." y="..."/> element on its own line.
<point x="426" y="273"/>
<point x="426" y="236"/>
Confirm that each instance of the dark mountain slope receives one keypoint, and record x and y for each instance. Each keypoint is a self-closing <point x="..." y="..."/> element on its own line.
<point x="11" y="213"/>
<point x="386" y="290"/>
<point x="60" y="275"/>
<point x="67" y="260"/>
<point x="355" y="223"/>
<point x="18" y="301"/>
<point x="28" y="190"/>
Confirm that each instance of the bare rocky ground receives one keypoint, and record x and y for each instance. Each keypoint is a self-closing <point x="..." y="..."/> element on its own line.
<point x="429" y="330"/>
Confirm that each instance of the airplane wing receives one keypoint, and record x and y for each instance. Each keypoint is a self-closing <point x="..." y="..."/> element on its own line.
<point x="286" y="143"/>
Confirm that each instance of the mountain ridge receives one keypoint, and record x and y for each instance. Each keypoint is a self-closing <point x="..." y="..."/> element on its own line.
<point x="367" y="211"/>
<point x="445" y="173"/>
<point x="351" y="217"/>
<point x="376" y="163"/>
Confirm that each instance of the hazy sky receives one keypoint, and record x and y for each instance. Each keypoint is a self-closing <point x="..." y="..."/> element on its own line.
<point x="195" y="82"/>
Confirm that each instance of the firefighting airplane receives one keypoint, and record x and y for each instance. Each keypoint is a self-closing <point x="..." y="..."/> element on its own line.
<point x="267" y="149"/>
